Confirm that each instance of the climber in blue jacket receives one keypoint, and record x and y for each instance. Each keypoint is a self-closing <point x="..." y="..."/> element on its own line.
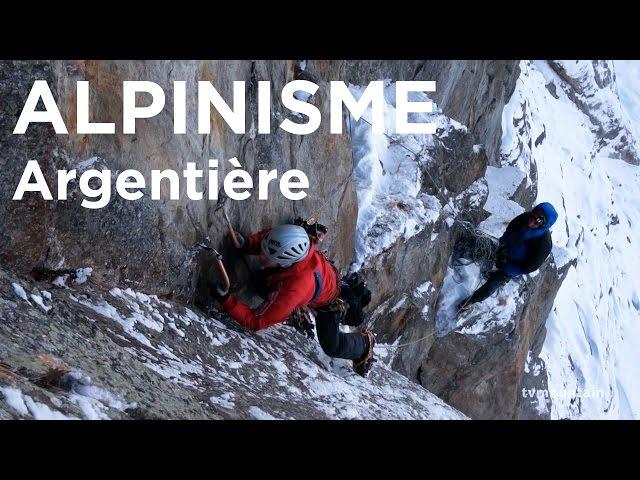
<point x="523" y="248"/>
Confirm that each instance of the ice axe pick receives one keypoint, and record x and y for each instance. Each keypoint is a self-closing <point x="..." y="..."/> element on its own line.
<point x="222" y="198"/>
<point x="218" y="255"/>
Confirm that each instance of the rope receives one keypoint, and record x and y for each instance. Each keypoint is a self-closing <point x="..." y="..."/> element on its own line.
<point x="343" y="183"/>
<point x="401" y="345"/>
<point x="476" y="246"/>
<point x="329" y="197"/>
<point x="465" y="224"/>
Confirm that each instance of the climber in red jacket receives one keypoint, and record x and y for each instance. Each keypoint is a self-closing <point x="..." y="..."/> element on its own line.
<point x="297" y="275"/>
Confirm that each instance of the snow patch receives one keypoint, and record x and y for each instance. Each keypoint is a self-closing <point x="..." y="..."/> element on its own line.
<point x="260" y="414"/>
<point x="61" y="281"/>
<point x="13" y="398"/>
<point x="26" y="406"/>
<point x="40" y="302"/>
<point x="82" y="275"/>
<point x="20" y="292"/>
<point x="592" y="346"/>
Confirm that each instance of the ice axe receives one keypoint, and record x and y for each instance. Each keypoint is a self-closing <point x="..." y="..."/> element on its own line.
<point x="223" y="271"/>
<point x="313" y="219"/>
<point x="222" y="198"/>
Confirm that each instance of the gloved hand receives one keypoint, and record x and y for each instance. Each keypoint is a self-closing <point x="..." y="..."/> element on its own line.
<point x="316" y="230"/>
<point x="243" y="242"/>
<point x="357" y="295"/>
<point x="218" y="291"/>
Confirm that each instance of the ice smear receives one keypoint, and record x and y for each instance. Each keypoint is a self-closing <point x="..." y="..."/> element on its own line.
<point x="40" y="302"/>
<point x="13" y="398"/>
<point x="93" y="400"/>
<point x="86" y="164"/>
<point x="458" y="284"/>
<point x="388" y="178"/>
<point x="82" y="275"/>
<point x="225" y="400"/>
<point x="502" y="183"/>
<point x="61" y="281"/>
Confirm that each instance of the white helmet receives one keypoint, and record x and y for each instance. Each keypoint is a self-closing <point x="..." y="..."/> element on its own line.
<point x="286" y="245"/>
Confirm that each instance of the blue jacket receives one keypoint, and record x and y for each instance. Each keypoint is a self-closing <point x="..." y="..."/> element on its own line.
<point x="525" y="249"/>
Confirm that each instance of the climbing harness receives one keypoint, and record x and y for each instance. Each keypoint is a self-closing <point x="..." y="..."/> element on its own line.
<point x="302" y="320"/>
<point x="339" y="306"/>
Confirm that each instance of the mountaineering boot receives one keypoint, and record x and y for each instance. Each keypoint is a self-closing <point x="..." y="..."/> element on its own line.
<point x="357" y="296"/>
<point x="363" y="365"/>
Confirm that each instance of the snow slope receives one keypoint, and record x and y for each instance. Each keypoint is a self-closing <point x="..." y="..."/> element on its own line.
<point x="574" y="128"/>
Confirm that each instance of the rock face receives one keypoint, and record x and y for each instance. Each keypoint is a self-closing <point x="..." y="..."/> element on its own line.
<point x="75" y="349"/>
<point x="473" y="92"/>
<point x="575" y="121"/>
<point x="147" y="243"/>
<point x="479" y="367"/>
<point x="591" y="86"/>
<point x="408" y="276"/>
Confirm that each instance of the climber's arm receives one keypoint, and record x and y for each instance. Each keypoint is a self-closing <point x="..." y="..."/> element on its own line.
<point x="276" y="308"/>
<point x="515" y="225"/>
<point x="253" y="241"/>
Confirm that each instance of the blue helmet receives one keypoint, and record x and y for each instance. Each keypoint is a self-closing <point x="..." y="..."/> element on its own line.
<point x="549" y="212"/>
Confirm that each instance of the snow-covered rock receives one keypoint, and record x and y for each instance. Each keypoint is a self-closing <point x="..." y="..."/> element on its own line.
<point x="576" y="121"/>
<point x="126" y="354"/>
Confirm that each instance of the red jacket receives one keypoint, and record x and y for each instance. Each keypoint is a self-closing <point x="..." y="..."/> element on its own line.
<point x="310" y="282"/>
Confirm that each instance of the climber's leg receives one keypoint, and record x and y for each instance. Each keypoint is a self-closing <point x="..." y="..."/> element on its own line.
<point x="352" y="346"/>
<point x="495" y="280"/>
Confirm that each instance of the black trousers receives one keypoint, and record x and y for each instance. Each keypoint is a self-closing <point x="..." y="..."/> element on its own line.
<point x="495" y="280"/>
<point x="337" y="344"/>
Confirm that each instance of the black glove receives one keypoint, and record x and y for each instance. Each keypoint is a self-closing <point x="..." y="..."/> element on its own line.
<point x="357" y="295"/>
